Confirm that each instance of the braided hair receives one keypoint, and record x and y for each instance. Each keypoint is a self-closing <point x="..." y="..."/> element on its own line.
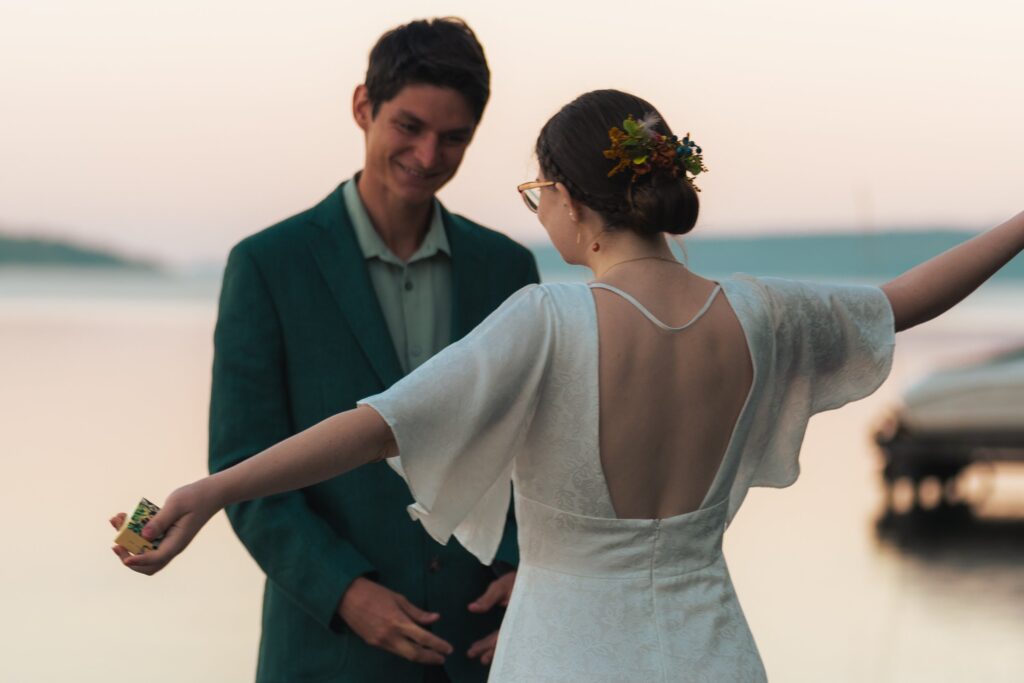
<point x="570" y="151"/>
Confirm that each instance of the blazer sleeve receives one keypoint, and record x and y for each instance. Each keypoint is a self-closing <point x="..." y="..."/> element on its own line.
<point x="460" y="419"/>
<point x="249" y="411"/>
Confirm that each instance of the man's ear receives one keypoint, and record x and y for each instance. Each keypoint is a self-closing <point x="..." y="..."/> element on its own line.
<point x="362" y="108"/>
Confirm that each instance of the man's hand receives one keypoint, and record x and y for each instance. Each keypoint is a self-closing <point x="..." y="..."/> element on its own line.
<point x="385" y="619"/>
<point x="498" y="593"/>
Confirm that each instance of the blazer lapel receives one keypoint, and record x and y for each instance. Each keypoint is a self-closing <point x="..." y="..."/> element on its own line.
<point x="340" y="259"/>
<point x="469" y="278"/>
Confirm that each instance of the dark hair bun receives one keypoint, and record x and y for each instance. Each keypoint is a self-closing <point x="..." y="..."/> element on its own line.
<point x="661" y="202"/>
<point x="570" y="150"/>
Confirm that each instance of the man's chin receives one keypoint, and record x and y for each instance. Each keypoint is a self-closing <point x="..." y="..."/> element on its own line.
<point x="418" y="191"/>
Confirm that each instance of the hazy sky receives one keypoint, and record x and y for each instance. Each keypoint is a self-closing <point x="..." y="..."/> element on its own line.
<point x="175" y="127"/>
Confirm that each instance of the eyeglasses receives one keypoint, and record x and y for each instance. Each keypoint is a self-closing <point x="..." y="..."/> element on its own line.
<point x="530" y="192"/>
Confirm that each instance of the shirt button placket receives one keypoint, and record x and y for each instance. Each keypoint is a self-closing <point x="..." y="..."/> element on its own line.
<point x="408" y="306"/>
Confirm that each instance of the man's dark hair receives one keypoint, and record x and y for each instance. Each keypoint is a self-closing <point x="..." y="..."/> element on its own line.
<point x="442" y="52"/>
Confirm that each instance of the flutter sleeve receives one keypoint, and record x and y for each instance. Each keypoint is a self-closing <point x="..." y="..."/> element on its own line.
<point x="460" y="419"/>
<point x="819" y="346"/>
<point x="839" y="339"/>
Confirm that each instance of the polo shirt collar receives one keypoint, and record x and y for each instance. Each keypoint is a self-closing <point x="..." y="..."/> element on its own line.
<point x="370" y="242"/>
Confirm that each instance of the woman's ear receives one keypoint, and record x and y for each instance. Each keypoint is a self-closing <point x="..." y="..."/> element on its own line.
<point x="574" y="207"/>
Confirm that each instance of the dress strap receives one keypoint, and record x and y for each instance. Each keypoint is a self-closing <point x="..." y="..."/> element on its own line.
<point x="649" y="315"/>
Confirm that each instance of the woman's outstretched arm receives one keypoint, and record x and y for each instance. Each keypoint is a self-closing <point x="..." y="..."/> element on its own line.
<point x="330" y="448"/>
<point x="935" y="286"/>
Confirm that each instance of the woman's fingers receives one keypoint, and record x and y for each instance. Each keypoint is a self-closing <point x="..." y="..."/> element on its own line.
<point x="152" y="561"/>
<point x="186" y="511"/>
<point x="117" y="521"/>
<point x="180" y="533"/>
<point x="161" y="521"/>
<point x="121" y="552"/>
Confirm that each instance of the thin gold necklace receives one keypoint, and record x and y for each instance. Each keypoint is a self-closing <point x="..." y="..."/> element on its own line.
<point x="641" y="258"/>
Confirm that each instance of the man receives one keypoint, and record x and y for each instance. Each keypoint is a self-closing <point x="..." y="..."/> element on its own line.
<point x="338" y="303"/>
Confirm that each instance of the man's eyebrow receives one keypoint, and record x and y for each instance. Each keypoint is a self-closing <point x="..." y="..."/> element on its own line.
<point x="409" y="115"/>
<point x="412" y="118"/>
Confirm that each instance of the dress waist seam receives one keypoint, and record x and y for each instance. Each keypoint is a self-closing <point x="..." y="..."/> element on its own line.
<point x="650" y="574"/>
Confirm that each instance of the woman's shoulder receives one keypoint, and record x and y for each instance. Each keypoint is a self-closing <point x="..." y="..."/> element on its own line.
<point x="547" y="301"/>
<point x="785" y="304"/>
<point x="552" y="295"/>
<point x="551" y="304"/>
<point x="768" y="300"/>
<point x="779" y="289"/>
<point x="564" y="290"/>
<point x="568" y="299"/>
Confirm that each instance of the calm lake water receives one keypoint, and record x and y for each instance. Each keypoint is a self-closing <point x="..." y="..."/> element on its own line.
<point x="104" y="383"/>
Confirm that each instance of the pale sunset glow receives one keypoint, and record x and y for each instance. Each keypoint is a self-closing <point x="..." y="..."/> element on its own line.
<point x="148" y="137"/>
<point x="173" y="129"/>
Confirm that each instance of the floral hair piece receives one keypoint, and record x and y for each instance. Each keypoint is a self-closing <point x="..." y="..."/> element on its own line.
<point x="639" y="148"/>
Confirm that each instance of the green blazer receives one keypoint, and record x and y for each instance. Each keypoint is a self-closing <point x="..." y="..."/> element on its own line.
<point x="299" y="337"/>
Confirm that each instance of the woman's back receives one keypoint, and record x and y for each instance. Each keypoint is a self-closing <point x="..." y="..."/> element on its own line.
<point x="669" y="399"/>
<point x="630" y="448"/>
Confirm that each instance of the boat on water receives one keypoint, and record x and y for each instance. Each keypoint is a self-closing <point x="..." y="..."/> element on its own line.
<point x="954" y="418"/>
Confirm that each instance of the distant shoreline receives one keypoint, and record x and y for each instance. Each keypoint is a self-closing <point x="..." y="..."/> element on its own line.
<point x="41" y="252"/>
<point x="867" y="256"/>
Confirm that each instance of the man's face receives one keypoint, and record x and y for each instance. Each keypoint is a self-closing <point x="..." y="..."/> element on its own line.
<point x="416" y="141"/>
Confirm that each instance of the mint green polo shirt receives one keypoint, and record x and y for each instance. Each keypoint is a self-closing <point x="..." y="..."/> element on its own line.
<point x="415" y="297"/>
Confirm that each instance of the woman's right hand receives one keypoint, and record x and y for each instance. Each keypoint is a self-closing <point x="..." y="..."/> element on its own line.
<point x="184" y="513"/>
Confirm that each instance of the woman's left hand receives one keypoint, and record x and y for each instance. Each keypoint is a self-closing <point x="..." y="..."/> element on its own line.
<point x="186" y="511"/>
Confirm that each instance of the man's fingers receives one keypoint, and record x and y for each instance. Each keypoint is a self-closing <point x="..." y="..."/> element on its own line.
<point x="414" y="653"/>
<point x="482" y="647"/>
<point x="495" y="592"/>
<point x="117" y="520"/>
<point x="416" y="614"/>
<point x="426" y="639"/>
<point x="121" y="552"/>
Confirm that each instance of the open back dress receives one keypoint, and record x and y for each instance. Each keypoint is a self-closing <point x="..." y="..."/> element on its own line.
<point x="598" y="598"/>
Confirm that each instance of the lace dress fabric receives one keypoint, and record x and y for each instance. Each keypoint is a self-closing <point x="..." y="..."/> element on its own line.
<point x="598" y="598"/>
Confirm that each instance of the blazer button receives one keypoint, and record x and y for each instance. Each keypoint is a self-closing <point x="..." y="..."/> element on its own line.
<point x="435" y="564"/>
<point x="408" y="286"/>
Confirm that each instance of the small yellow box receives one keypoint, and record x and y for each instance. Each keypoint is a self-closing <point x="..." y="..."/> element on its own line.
<point x="130" y="534"/>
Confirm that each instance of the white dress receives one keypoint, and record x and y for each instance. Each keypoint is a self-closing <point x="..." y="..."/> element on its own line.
<point x="598" y="598"/>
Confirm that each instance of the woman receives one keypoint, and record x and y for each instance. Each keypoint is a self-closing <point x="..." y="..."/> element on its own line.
<point x="632" y="414"/>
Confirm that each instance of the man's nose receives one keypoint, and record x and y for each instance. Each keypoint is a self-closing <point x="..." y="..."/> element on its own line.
<point x="428" y="151"/>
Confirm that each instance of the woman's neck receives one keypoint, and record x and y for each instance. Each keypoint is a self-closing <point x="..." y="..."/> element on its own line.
<point x="618" y="247"/>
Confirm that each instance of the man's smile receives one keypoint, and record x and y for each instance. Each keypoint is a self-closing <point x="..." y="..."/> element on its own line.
<point x="419" y="174"/>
